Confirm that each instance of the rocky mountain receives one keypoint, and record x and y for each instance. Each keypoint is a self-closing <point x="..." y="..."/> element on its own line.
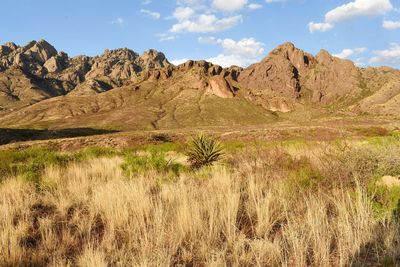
<point x="42" y="87"/>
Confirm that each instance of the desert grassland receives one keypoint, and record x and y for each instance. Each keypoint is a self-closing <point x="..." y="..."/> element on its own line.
<point x="264" y="204"/>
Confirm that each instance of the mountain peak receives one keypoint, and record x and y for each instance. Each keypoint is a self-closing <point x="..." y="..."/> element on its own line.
<point x="286" y="45"/>
<point x="289" y="52"/>
<point x="283" y="48"/>
<point x="153" y="59"/>
<point x="39" y="50"/>
<point x="324" y="57"/>
<point x="152" y="52"/>
<point x="11" y="45"/>
<point x="120" y="53"/>
<point x="43" y="42"/>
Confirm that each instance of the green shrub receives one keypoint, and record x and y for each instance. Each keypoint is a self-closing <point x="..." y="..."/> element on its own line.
<point x="385" y="201"/>
<point x="204" y="151"/>
<point x="303" y="175"/>
<point x="29" y="163"/>
<point x="95" y="152"/>
<point x="139" y="164"/>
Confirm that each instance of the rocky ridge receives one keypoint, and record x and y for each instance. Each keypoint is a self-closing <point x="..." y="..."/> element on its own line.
<point x="286" y="80"/>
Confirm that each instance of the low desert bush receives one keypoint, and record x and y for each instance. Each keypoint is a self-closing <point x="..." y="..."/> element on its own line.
<point x="96" y="152"/>
<point x="137" y="163"/>
<point x="29" y="163"/>
<point x="386" y="201"/>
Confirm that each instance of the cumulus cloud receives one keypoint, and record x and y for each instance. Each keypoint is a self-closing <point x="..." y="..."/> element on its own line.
<point x="389" y="56"/>
<point x="358" y="8"/>
<point x="391" y="25"/>
<point x="150" y="14"/>
<point x="319" y="27"/>
<point x="208" y="16"/>
<point x="351" y="10"/>
<point x="240" y="53"/>
<point x="233" y="5"/>
<point x="183" y="13"/>
<point x="346" y="53"/>
<point x="229" y="60"/>
<point x="177" y="62"/>
<point x="205" y="23"/>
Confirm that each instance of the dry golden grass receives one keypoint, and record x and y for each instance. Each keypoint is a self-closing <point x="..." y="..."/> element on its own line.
<point x="259" y="210"/>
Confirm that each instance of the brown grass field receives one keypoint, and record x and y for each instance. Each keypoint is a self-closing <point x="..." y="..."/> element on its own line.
<point x="276" y="203"/>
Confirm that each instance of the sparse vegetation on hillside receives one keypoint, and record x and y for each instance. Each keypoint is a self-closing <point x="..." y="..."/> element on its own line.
<point x="322" y="205"/>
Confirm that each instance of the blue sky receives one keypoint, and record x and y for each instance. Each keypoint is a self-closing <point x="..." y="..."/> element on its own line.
<point x="223" y="31"/>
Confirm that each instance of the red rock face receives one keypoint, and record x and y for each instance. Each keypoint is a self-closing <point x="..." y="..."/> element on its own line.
<point x="293" y="75"/>
<point x="220" y="87"/>
<point x="277" y="76"/>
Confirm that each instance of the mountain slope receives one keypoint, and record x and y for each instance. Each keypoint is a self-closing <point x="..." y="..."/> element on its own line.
<point x="122" y="89"/>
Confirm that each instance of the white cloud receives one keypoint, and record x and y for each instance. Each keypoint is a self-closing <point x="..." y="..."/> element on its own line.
<point x="358" y="8"/>
<point x="192" y="3"/>
<point x="274" y="1"/>
<point x="206" y="23"/>
<point x="240" y="53"/>
<point x="166" y="37"/>
<point x="229" y="60"/>
<point x="350" y="52"/>
<point x="359" y="62"/>
<point x="118" y="21"/>
<point x="354" y="9"/>
<point x="391" y="25"/>
<point x="208" y="40"/>
<point x="208" y="16"/>
<point x="390" y="56"/>
<point x="319" y="27"/>
<point x="146" y="2"/>
<point x="233" y="5"/>
<point x="247" y="47"/>
<point x="177" y="62"/>
<point x="183" y="13"/>
<point x="150" y="14"/>
<point x="254" y="6"/>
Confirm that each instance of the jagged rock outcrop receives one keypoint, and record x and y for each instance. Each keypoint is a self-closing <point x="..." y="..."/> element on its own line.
<point x="57" y="63"/>
<point x="18" y="89"/>
<point x="289" y="76"/>
<point x="86" y="75"/>
<point x="117" y="64"/>
<point x="332" y="79"/>
<point x="152" y="59"/>
<point x="277" y="76"/>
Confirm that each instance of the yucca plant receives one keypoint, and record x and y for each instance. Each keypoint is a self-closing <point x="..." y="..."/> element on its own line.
<point x="203" y="151"/>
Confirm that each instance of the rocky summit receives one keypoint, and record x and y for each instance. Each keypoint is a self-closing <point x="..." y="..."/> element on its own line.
<point x="42" y="87"/>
